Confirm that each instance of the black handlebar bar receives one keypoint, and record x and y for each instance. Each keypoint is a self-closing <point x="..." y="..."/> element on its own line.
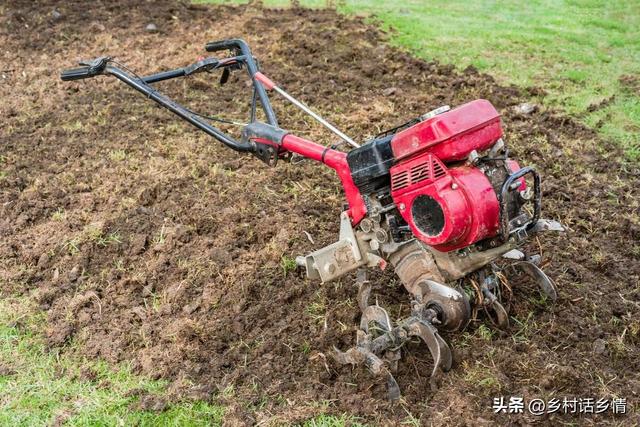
<point x="240" y="47"/>
<point x="75" y="74"/>
<point x="225" y="45"/>
<point x="101" y="66"/>
<point x="90" y="69"/>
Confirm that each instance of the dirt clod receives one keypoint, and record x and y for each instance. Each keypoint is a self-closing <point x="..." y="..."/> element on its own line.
<point x="152" y="403"/>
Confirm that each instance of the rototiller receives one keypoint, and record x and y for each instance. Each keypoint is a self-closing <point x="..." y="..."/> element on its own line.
<point x="437" y="197"/>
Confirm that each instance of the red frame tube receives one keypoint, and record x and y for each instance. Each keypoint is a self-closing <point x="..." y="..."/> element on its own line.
<point x="336" y="160"/>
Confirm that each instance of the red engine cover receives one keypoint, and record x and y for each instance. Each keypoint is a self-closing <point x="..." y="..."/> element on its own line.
<point x="446" y="209"/>
<point x="452" y="135"/>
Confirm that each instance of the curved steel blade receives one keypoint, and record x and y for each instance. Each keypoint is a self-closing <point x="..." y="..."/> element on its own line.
<point x="378" y="368"/>
<point x="393" y="389"/>
<point x="364" y="289"/>
<point x="438" y="348"/>
<point x="377" y="314"/>
<point x="544" y="282"/>
<point x="501" y="318"/>
<point x="350" y="357"/>
<point x="445" y="351"/>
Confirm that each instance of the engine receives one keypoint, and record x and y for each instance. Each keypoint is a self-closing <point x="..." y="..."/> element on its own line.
<point x="445" y="178"/>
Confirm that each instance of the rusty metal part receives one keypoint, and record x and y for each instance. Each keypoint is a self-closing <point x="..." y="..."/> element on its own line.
<point x="378" y="343"/>
<point x="367" y="350"/>
<point x="361" y="355"/>
<point x="420" y="275"/>
<point x="375" y="314"/>
<point x="456" y="265"/>
<point x="413" y="264"/>
<point x="364" y="290"/>
<point x="440" y="351"/>
<point x="426" y="274"/>
<point x="494" y="309"/>
<point x="499" y="317"/>
<point x="547" y="285"/>
<point x="347" y="254"/>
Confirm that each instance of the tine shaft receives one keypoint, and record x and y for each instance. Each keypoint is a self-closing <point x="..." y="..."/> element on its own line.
<point x="364" y="290"/>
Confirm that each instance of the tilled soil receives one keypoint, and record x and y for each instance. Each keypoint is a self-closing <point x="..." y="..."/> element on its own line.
<point x="146" y="241"/>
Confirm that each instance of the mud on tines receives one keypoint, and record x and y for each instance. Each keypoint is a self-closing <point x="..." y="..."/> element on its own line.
<point x="206" y="326"/>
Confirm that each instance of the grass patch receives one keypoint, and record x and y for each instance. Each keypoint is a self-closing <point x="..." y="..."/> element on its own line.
<point x="288" y="264"/>
<point x="59" y="215"/>
<point x="579" y="52"/>
<point x="333" y="421"/>
<point x="117" y="155"/>
<point x="38" y="387"/>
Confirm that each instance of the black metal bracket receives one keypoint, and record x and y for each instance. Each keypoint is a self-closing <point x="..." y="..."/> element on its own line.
<point x="537" y="201"/>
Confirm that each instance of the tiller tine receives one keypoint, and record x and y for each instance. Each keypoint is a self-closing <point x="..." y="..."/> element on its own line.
<point x="494" y="309"/>
<point x="357" y="355"/>
<point x="375" y="314"/>
<point x="364" y="290"/>
<point x="378" y="345"/>
<point x="498" y="315"/>
<point x="439" y="349"/>
<point x="545" y="283"/>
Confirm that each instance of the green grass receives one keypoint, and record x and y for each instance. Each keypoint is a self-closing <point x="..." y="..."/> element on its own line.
<point x="576" y="51"/>
<point x="333" y="421"/>
<point x="39" y="386"/>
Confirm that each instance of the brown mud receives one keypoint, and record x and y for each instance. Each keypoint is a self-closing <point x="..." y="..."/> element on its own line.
<point x="146" y="241"/>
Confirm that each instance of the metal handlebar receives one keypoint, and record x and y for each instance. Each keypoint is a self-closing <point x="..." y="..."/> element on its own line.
<point x="243" y="57"/>
<point x="90" y="69"/>
<point x="75" y="74"/>
<point x="240" y="47"/>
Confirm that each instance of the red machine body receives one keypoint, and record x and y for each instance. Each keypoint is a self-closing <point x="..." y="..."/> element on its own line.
<point x="452" y="135"/>
<point x="446" y="203"/>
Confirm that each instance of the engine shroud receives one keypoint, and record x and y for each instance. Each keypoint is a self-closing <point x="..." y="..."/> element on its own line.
<point x="453" y="135"/>
<point x="447" y="204"/>
<point x="445" y="208"/>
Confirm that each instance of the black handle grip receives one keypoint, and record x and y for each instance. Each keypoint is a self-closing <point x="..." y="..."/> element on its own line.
<point x="76" y="74"/>
<point x="88" y="69"/>
<point x="222" y="45"/>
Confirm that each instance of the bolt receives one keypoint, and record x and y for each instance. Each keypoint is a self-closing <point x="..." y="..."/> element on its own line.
<point x="381" y="235"/>
<point x="454" y="186"/>
<point x="401" y="206"/>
